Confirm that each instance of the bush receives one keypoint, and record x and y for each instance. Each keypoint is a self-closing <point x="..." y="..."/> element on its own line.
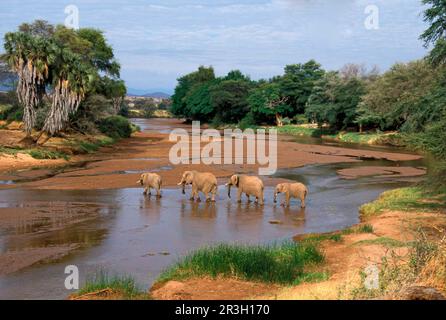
<point x="116" y="127"/>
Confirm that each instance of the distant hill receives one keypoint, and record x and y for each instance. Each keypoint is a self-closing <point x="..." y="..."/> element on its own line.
<point x="160" y="95"/>
<point x="143" y="93"/>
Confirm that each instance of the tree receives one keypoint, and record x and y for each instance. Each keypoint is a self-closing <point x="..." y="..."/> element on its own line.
<point x="268" y="100"/>
<point x="30" y="58"/>
<point x="71" y="80"/>
<point x="397" y="96"/>
<point x="298" y="82"/>
<point x="335" y="100"/>
<point x="435" y="15"/>
<point x="112" y="89"/>
<point x="230" y="100"/>
<point x="198" y="101"/>
<point x="185" y="84"/>
<point x="65" y="61"/>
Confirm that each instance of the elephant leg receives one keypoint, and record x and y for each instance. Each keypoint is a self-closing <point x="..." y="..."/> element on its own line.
<point x="239" y="196"/>
<point x="196" y="194"/>
<point x="150" y="191"/>
<point x="287" y="199"/>
<point x="261" y="199"/>
<point x="214" y="191"/>
<point x="302" y="201"/>
<point x="145" y="191"/>
<point x="158" y="193"/>
<point x="247" y="197"/>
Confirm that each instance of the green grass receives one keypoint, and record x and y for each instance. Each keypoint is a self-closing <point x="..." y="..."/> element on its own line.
<point x="336" y="237"/>
<point x="92" y="146"/>
<point x="299" y="131"/>
<point x="356" y="137"/>
<point x="383" y="241"/>
<point x="350" y="137"/>
<point x="405" y="199"/>
<point x="124" y="285"/>
<point x="47" y="154"/>
<point x="363" y="228"/>
<point x="282" y="263"/>
<point x="35" y="153"/>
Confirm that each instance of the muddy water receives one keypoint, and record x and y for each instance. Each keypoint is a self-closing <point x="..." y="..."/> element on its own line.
<point x="123" y="232"/>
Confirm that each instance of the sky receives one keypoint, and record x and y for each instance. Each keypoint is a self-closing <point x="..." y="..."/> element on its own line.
<point x="158" y="41"/>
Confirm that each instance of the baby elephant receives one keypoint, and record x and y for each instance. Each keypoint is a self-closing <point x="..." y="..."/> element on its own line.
<point x="150" y="181"/>
<point x="251" y="186"/>
<point x="292" y="190"/>
<point x="201" y="181"/>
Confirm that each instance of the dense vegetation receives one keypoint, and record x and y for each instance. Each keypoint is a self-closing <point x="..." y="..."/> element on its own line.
<point x="410" y="98"/>
<point x="64" y="79"/>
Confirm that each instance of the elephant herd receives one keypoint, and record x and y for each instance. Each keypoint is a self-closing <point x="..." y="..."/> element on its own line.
<point x="206" y="183"/>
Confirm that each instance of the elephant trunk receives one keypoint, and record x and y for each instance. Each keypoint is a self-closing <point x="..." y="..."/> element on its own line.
<point x="275" y="197"/>
<point x="183" y="186"/>
<point x="229" y="190"/>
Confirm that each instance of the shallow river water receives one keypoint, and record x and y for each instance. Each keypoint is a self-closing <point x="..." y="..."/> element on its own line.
<point x="121" y="231"/>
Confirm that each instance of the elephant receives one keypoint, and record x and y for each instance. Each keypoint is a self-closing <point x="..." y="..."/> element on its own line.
<point x="201" y="181"/>
<point x="291" y="190"/>
<point x="151" y="181"/>
<point x="249" y="185"/>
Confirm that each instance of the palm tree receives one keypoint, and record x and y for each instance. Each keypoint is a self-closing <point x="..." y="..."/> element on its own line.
<point x="30" y="58"/>
<point x="71" y="80"/>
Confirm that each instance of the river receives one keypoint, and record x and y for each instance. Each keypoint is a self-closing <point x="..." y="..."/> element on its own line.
<point x="121" y="231"/>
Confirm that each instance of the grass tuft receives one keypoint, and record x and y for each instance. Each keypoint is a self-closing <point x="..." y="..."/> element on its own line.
<point x="383" y="241"/>
<point x="404" y="199"/>
<point x="282" y="263"/>
<point x="124" y="286"/>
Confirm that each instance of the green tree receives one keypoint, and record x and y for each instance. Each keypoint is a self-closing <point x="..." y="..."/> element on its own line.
<point x="435" y="16"/>
<point x="229" y="99"/>
<point x="397" y="96"/>
<point x="198" y="101"/>
<point x="30" y="57"/>
<point x="335" y="100"/>
<point x="187" y="83"/>
<point x="66" y="61"/>
<point x="298" y="82"/>
<point x="268" y="100"/>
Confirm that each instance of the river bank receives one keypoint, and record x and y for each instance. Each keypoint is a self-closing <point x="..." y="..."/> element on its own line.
<point x="90" y="214"/>
<point x="406" y="248"/>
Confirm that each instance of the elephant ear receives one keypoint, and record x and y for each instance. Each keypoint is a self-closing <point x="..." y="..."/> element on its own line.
<point x="235" y="180"/>
<point x="188" y="177"/>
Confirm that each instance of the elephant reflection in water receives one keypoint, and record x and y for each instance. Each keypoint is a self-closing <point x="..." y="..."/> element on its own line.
<point x="196" y="209"/>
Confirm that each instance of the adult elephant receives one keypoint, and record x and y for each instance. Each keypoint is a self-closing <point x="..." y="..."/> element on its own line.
<point x="249" y="185"/>
<point x="205" y="182"/>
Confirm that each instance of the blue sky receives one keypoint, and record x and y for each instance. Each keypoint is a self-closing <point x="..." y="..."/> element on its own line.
<point x="158" y="41"/>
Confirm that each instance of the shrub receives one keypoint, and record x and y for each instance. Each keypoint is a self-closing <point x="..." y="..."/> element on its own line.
<point x="116" y="127"/>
